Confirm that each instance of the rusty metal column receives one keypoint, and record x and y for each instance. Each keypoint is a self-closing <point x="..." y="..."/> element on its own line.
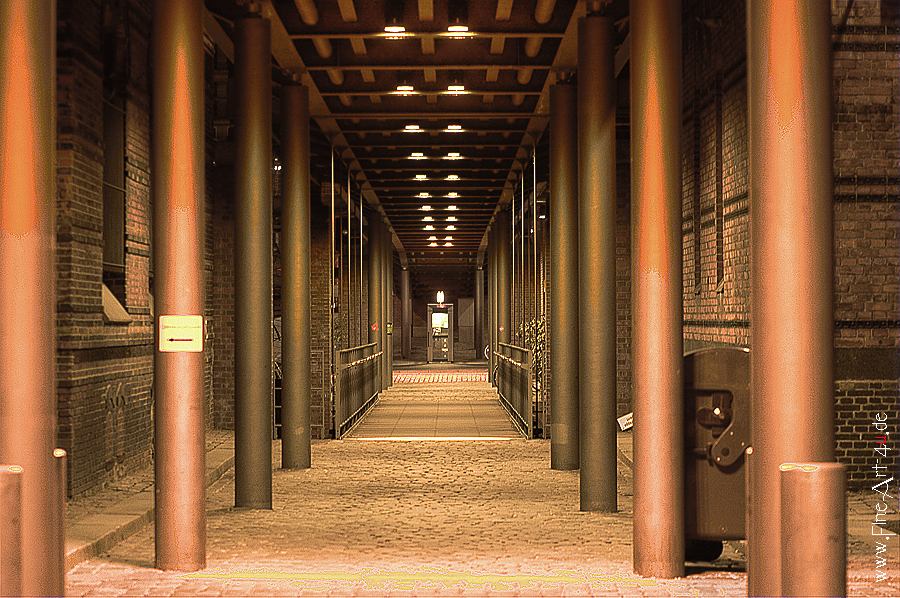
<point x="406" y="314"/>
<point x="295" y="284"/>
<point x="385" y="304"/>
<point x="657" y="288"/>
<point x="479" y="313"/>
<point x="597" y="263"/>
<point x="492" y="299"/>
<point x="504" y="261"/>
<point x="792" y="412"/>
<point x="389" y="304"/>
<point x="374" y="266"/>
<point x="28" y="278"/>
<point x="11" y="530"/>
<point x="253" y="266"/>
<point x="564" y="275"/>
<point x="179" y="196"/>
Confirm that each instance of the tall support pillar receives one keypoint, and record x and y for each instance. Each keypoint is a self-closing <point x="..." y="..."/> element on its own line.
<point x="253" y="266"/>
<point x="792" y="412"/>
<point x="405" y="314"/>
<point x="564" y="275"/>
<point x="374" y="267"/>
<point x="492" y="299"/>
<point x="479" y="312"/>
<point x="386" y="303"/>
<point x="504" y="264"/>
<point x="657" y="288"/>
<point x="597" y="262"/>
<point x="389" y="304"/>
<point x="295" y="282"/>
<point x="179" y="240"/>
<point x="28" y="280"/>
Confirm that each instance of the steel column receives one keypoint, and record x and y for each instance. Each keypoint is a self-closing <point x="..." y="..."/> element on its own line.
<point x="374" y="264"/>
<point x="405" y="314"/>
<point x="597" y="262"/>
<point x="389" y="303"/>
<point x="11" y="530"/>
<point x="179" y="180"/>
<point x="28" y="278"/>
<point x="504" y="260"/>
<point x="385" y="304"/>
<point x="479" y="312"/>
<point x="814" y="529"/>
<point x="492" y="299"/>
<point x="657" y="288"/>
<point x="564" y="276"/>
<point x="792" y="412"/>
<point x="253" y="266"/>
<point x="295" y="281"/>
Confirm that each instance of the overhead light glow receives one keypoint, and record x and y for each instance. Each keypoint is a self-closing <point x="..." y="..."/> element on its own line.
<point x="426" y="208"/>
<point x="448" y="238"/>
<point x="432" y="238"/>
<point x="454" y="127"/>
<point x="448" y="244"/>
<point x="457" y="28"/>
<point x="456" y="88"/>
<point x="453" y="156"/>
<point x="451" y="219"/>
<point x="412" y="128"/>
<point x="429" y="227"/>
<point x="427" y="219"/>
<point x="452" y="177"/>
<point x="453" y="194"/>
<point x="451" y="227"/>
<point x="421" y="177"/>
<point x="417" y="156"/>
<point x="432" y="244"/>
<point x="394" y="29"/>
<point x="424" y="194"/>
<point x="452" y="208"/>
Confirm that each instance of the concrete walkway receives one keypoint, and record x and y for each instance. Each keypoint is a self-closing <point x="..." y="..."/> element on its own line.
<point x="420" y="518"/>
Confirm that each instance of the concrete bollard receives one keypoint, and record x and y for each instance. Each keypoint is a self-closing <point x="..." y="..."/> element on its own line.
<point x="813" y="529"/>
<point x="10" y="530"/>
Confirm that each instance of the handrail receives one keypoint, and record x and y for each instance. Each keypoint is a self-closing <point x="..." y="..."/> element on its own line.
<point x="356" y="386"/>
<point x="514" y="369"/>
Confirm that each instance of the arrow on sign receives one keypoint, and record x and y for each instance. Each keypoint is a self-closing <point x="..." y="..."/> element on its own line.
<point x="180" y="340"/>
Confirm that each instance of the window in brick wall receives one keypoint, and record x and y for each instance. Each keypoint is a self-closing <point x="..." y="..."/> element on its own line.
<point x="114" y="79"/>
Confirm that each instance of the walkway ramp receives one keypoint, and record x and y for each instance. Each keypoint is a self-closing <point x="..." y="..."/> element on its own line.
<point x="437" y="404"/>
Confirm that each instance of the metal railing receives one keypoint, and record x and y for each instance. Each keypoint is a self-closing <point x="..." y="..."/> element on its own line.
<point x="356" y="385"/>
<point x="514" y="384"/>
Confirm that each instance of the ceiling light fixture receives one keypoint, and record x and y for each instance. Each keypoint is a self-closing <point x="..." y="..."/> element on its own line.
<point x="454" y="128"/>
<point x="424" y="194"/>
<point x="453" y="156"/>
<point x="417" y="156"/>
<point x="432" y="238"/>
<point x="448" y="238"/>
<point x="432" y="244"/>
<point x="429" y="227"/>
<point x="413" y="128"/>
<point x="452" y="177"/>
<point x="452" y="208"/>
<point x="421" y="177"/>
<point x="451" y="227"/>
<point x="448" y="244"/>
<point x="456" y="89"/>
<point x="453" y="194"/>
<point x="451" y="219"/>
<point x="426" y="208"/>
<point x="427" y="219"/>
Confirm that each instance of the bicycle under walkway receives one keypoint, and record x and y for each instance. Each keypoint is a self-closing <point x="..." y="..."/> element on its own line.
<point x="433" y="517"/>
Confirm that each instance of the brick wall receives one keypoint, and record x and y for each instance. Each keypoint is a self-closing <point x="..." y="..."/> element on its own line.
<point x="104" y="370"/>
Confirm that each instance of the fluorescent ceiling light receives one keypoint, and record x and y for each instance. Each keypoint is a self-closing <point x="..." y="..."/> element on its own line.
<point x="452" y="208"/>
<point x="426" y="208"/>
<point x="424" y="194"/>
<point x="452" y="177"/>
<point x="417" y="156"/>
<point x="421" y="177"/>
<point x="432" y="244"/>
<point x="453" y="194"/>
<point x="412" y="127"/>
<point x="429" y="227"/>
<point x="427" y="219"/>
<point x="451" y="219"/>
<point x="451" y="227"/>
<point x="448" y="244"/>
<point x="454" y="127"/>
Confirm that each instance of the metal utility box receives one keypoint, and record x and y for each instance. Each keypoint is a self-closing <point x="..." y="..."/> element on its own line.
<point x="716" y="434"/>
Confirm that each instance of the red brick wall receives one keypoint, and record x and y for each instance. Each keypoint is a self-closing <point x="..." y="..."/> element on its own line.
<point x="104" y="370"/>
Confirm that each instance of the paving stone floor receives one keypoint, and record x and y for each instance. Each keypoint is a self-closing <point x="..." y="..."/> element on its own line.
<point x="424" y="518"/>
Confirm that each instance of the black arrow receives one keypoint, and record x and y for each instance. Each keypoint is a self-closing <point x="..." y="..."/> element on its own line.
<point x="182" y="340"/>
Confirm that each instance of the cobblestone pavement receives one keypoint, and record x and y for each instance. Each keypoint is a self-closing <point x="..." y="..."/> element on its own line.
<point x="475" y="518"/>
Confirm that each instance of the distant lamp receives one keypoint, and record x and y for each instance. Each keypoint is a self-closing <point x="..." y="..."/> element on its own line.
<point x="440" y="296"/>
